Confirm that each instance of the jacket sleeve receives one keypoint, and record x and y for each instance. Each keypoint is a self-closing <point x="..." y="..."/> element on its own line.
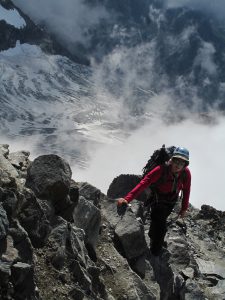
<point x="186" y="190"/>
<point x="150" y="178"/>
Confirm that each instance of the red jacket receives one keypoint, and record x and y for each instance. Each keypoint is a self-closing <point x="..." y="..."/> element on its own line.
<point x="165" y="187"/>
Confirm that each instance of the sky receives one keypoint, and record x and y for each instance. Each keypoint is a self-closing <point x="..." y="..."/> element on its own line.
<point x="205" y="142"/>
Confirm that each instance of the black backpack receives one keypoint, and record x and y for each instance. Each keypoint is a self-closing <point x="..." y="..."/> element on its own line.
<point x="159" y="157"/>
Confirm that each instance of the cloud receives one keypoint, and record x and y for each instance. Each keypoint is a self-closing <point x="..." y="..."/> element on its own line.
<point x="205" y="142"/>
<point x="69" y="19"/>
<point x="217" y="8"/>
<point x="205" y="58"/>
<point x="128" y="90"/>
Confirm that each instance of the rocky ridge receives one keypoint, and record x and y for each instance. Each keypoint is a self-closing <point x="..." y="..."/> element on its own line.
<point x="62" y="239"/>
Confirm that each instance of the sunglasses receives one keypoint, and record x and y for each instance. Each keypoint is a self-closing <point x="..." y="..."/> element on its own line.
<point x="179" y="162"/>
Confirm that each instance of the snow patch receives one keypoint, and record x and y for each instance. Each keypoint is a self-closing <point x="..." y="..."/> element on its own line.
<point x="21" y="49"/>
<point x="12" y="17"/>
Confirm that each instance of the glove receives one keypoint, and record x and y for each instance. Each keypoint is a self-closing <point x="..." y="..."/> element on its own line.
<point x="121" y="202"/>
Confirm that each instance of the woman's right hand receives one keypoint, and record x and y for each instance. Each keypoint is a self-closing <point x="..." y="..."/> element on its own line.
<point x="121" y="202"/>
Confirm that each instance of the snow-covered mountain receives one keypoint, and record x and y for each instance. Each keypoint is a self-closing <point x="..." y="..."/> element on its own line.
<point x="139" y="60"/>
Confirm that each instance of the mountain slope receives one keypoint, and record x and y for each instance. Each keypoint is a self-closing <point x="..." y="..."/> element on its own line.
<point x="142" y="61"/>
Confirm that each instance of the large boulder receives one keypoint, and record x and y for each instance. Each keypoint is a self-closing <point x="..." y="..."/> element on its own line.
<point x="123" y="184"/>
<point x="129" y="232"/>
<point x="49" y="177"/>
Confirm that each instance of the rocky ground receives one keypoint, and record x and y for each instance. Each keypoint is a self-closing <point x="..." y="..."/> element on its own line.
<point x="62" y="239"/>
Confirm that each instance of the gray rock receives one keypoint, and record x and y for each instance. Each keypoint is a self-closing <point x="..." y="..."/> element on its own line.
<point x="74" y="191"/>
<point x="90" y="193"/>
<point x="188" y="272"/>
<point x="130" y="234"/>
<point x="4" y="223"/>
<point x="23" y="280"/>
<point x="49" y="177"/>
<point x="7" y="167"/>
<point x="193" y="291"/>
<point x="21" y="242"/>
<point x="32" y="217"/>
<point x="19" y="159"/>
<point x="77" y="240"/>
<point x="81" y="276"/>
<point x="210" y="268"/>
<point x="218" y="292"/>
<point x="11" y="253"/>
<point x="9" y="203"/>
<point x="5" y="273"/>
<point x="87" y="216"/>
<point x="4" y="150"/>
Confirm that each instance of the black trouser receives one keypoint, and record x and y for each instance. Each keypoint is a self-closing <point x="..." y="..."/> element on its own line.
<point x="159" y="214"/>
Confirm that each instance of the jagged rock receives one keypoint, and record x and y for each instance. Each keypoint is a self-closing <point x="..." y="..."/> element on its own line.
<point x="210" y="268"/>
<point x="77" y="294"/>
<point x="130" y="233"/>
<point x="87" y="216"/>
<point x="8" y="174"/>
<point x="81" y="276"/>
<point x="193" y="291"/>
<point x="179" y="249"/>
<point x="9" y="202"/>
<point x="23" y="281"/>
<point x="7" y="181"/>
<point x="11" y="253"/>
<point x="5" y="273"/>
<point x="209" y="212"/>
<point x="49" y="177"/>
<point x="21" y="242"/>
<point x="74" y="192"/>
<point x="119" y="279"/>
<point x="188" y="273"/>
<point x="90" y="193"/>
<point x="19" y="159"/>
<point x="4" y="223"/>
<point x="4" y="150"/>
<point x="59" y="237"/>
<point x="217" y="292"/>
<point x="7" y="167"/>
<point x="77" y="241"/>
<point x="33" y="219"/>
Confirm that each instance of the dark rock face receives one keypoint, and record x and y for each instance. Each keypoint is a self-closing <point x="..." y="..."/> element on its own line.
<point x="87" y="249"/>
<point x="123" y="184"/>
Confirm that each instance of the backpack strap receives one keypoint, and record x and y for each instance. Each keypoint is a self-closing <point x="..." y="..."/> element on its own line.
<point x="165" y="172"/>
